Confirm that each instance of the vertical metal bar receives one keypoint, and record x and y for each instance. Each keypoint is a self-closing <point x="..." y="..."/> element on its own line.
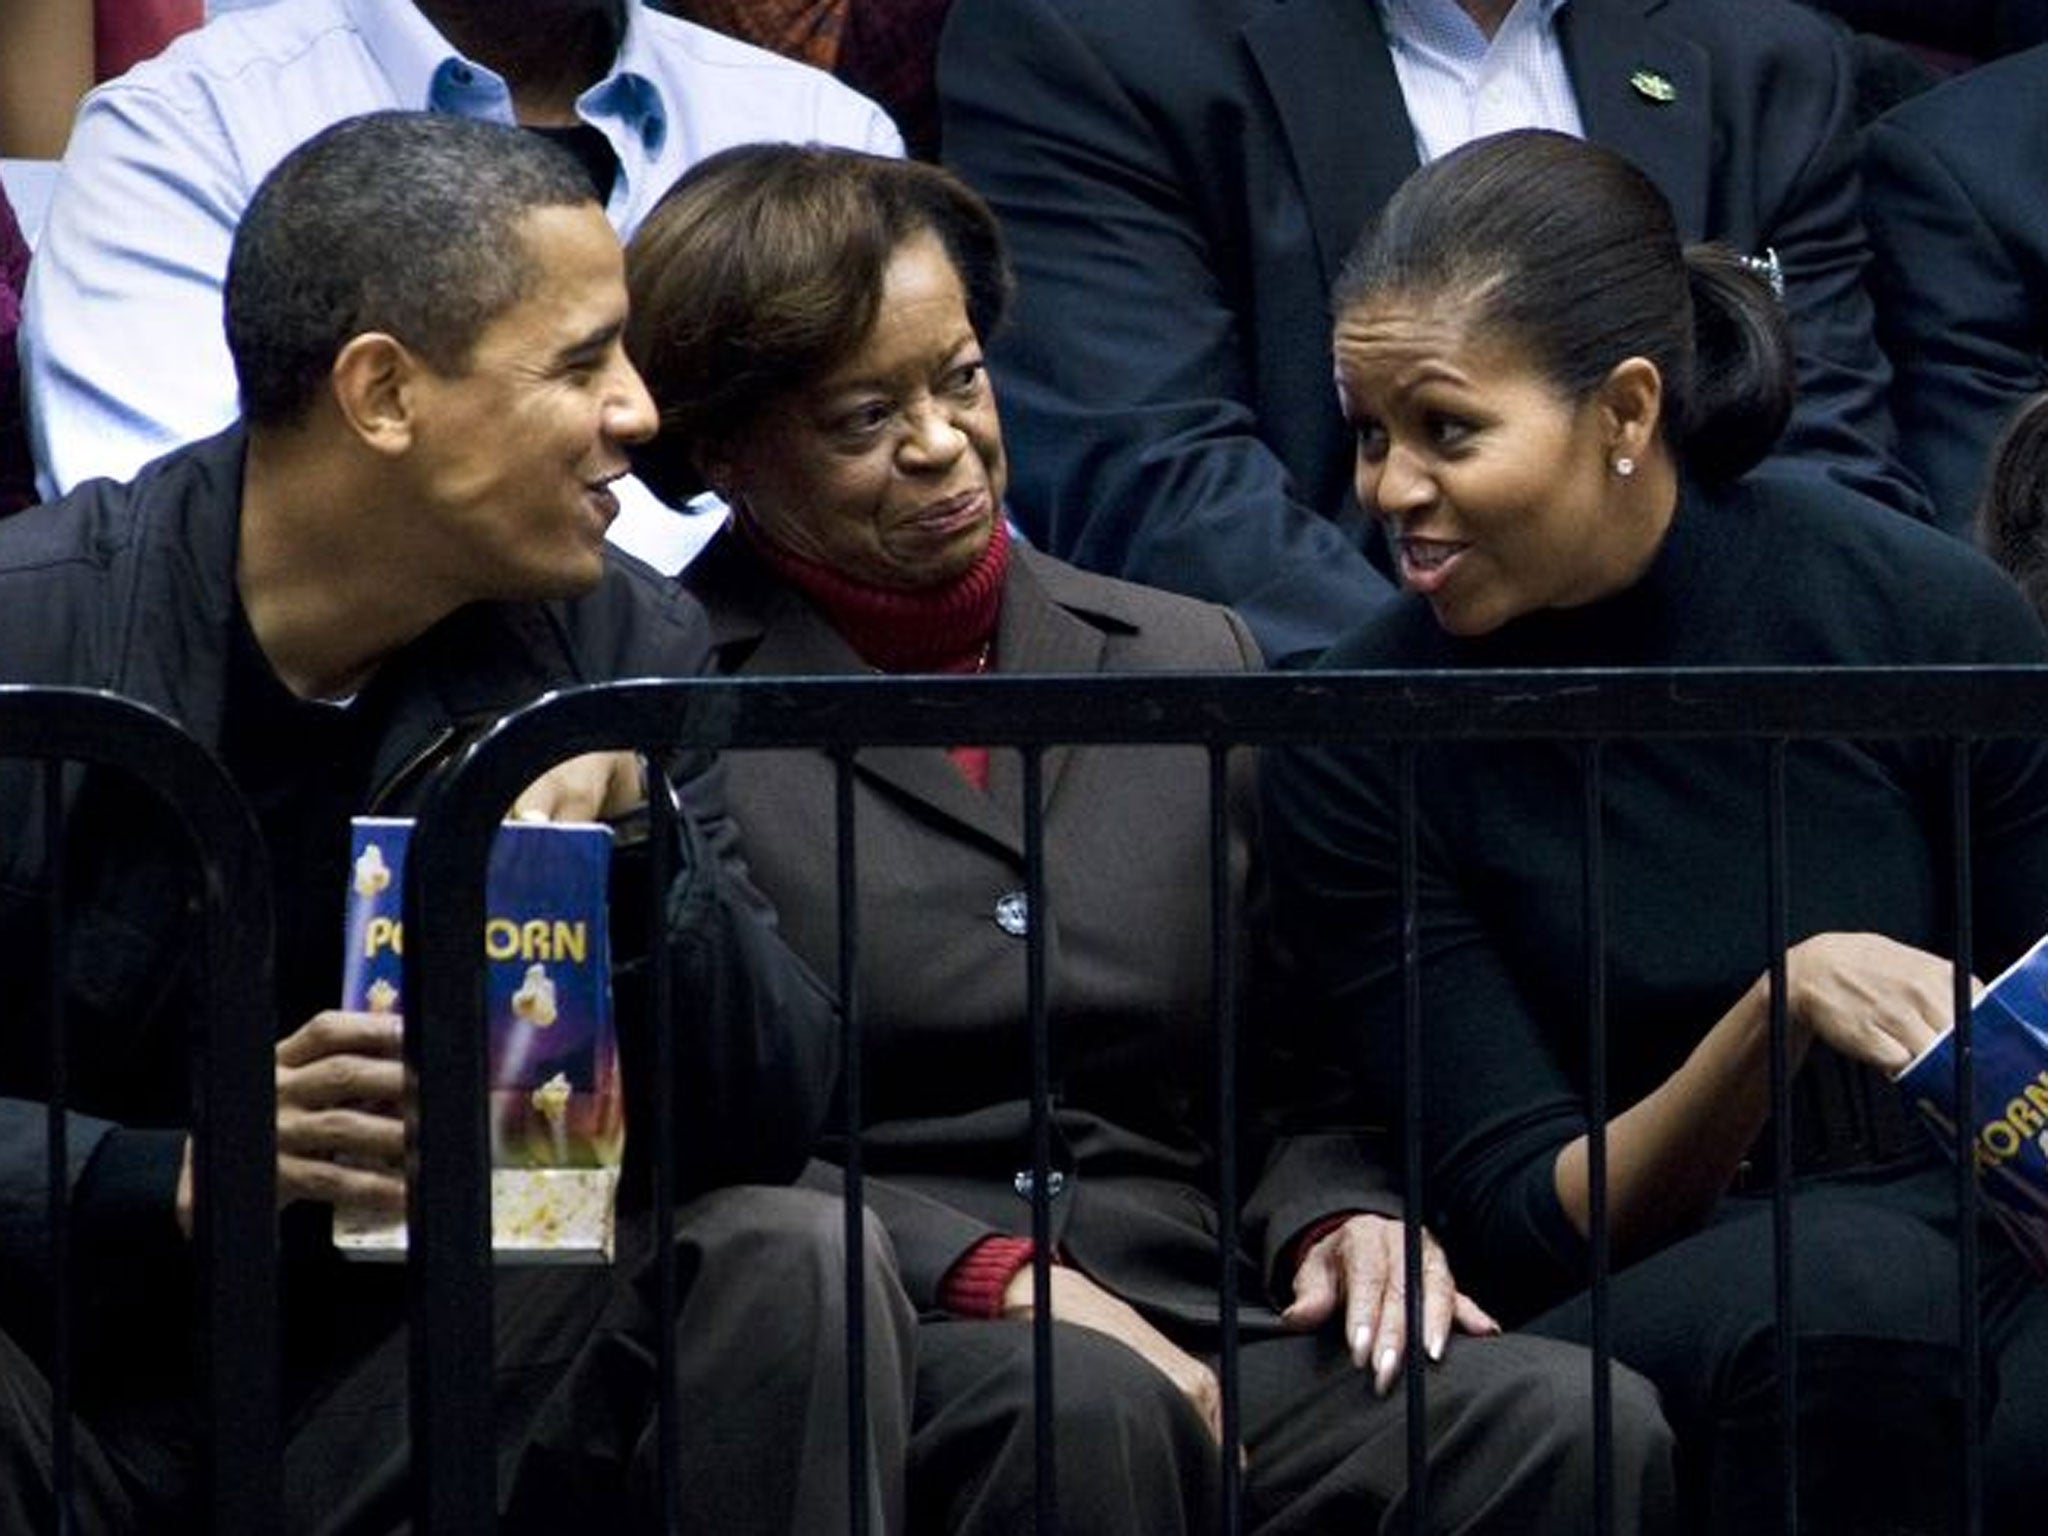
<point x="1595" y="898"/>
<point x="853" y="1091"/>
<point x="1411" y="1146"/>
<point x="228" y="1033"/>
<point x="1046" y="1498"/>
<point x="234" y="1167"/>
<point x="63" y="1454"/>
<point x="662" y="835"/>
<point x="1223" y="1012"/>
<point x="1778" y="878"/>
<point x="1967" y="1257"/>
<point x="448" y="1208"/>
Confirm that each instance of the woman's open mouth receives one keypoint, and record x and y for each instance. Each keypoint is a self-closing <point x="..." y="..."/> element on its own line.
<point x="1427" y="563"/>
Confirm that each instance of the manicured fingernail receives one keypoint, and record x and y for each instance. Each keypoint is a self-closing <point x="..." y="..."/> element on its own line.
<point x="1389" y="1361"/>
<point x="1361" y="1342"/>
<point x="1436" y="1347"/>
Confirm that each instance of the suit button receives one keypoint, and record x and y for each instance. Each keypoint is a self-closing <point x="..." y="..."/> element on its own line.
<point x="1013" y="914"/>
<point x="1055" y="1183"/>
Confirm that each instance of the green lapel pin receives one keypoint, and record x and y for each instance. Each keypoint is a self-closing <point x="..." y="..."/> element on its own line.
<point x="1653" y="86"/>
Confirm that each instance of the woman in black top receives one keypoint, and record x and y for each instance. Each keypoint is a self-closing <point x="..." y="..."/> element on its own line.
<point x="1554" y="408"/>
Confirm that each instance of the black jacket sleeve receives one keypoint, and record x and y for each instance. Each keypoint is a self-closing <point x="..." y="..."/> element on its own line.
<point x="757" y="1044"/>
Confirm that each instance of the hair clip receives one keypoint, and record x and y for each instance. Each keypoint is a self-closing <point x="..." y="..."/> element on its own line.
<point x="1767" y="270"/>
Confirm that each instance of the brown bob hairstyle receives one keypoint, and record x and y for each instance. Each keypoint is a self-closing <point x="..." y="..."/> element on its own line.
<point x="762" y="268"/>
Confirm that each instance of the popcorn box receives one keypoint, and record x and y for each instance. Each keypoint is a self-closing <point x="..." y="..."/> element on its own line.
<point x="2009" y="1110"/>
<point x="557" y="1113"/>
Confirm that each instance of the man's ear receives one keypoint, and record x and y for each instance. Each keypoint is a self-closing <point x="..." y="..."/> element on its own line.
<point x="1631" y="399"/>
<point x="375" y="384"/>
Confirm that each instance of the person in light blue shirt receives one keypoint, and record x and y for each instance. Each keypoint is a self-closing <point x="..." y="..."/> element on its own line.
<point x="1470" y="70"/>
<point x="121" y="347"/>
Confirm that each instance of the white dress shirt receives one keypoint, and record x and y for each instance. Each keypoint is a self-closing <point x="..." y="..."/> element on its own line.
<point x="122" y="346"/>
<point x="1461" y="85"/>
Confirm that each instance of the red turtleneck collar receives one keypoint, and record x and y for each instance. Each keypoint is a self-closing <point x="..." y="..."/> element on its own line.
<point x="947" y="628"/>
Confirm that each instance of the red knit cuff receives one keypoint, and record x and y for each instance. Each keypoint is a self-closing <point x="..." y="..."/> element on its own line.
<point x="974" y="1286"/>
<point x="1314" y="1233"/>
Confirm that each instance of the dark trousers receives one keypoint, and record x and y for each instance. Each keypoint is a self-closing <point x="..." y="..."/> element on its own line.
<point x="1509" y="1419"/>
<point x="760" y="1333"/>
<point x="100" y="1486"/>
<point x="1879" y="1376"/>
<point x="760" y="1339"/>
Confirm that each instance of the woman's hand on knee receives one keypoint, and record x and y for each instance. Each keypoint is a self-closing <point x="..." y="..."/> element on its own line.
<point x="1358" y="1270"/>
<point x="1077" y="1299"/>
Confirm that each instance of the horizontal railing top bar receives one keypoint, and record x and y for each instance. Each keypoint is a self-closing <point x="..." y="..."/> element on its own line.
<point x="89" y="725"/>
<point x="1219" y="709"/>
<point x="1263" y="707"/>
<point x="236" y="1206"/>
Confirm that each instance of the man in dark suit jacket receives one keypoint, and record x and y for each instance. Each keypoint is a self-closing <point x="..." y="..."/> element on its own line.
<point x="1180" y="180"/>
<point x="1954" y="185"/>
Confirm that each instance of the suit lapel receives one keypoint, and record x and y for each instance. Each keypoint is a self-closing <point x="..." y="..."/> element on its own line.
<point x="1621" y="61"/>
<point x="797" y="641"/>
<point x="1326" y="66"/>
<point x="1036" y="634"/>
<point x="929" y="779"/>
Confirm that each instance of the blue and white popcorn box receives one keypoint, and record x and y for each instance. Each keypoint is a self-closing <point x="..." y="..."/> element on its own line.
<point x="2008" y="1117"/>
<point x="557" y="1113"/>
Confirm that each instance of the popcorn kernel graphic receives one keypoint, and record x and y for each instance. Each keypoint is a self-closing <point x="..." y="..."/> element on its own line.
<point x="534" y="1002"/>
<point x="372" y="873"/>
<point x="382" y="996"/>
<point x="551" y="1098"/>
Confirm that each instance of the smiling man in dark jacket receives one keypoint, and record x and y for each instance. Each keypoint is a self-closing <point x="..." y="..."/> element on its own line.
<point x="403" y="539"/>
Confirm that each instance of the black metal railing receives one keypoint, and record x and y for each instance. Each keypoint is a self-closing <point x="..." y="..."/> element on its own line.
<point x="444" y="905"/>
<point x="49" y="735"/>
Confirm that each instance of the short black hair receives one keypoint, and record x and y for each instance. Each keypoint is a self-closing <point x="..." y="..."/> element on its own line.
<point x="400" y="222"/>
<point x="762" y="268"/>
<point x="1571" y="251"/>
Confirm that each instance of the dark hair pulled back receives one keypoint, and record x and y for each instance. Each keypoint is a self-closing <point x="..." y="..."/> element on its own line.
<point x="2012" y="519"/>
<point x="1569" y="250"/>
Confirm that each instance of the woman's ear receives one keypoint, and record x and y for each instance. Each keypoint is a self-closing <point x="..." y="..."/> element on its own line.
<point x="1631" y="399"/>
<point x="373" y="381"/>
